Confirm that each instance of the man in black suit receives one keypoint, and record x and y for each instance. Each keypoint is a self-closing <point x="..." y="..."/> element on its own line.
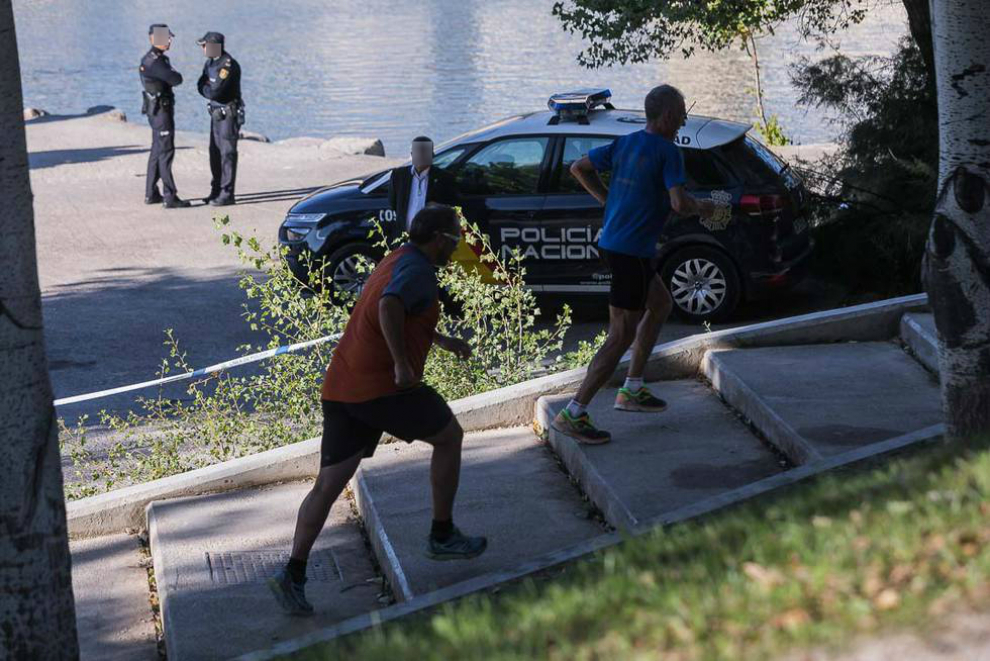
<point x="411" y="188"/>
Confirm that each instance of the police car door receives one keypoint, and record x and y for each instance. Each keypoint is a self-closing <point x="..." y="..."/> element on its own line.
<point x="500" y="187"/>
<point x="572" y="221"/>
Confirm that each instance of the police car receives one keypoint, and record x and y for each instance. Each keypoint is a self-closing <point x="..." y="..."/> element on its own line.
<point x="514" y="181"/>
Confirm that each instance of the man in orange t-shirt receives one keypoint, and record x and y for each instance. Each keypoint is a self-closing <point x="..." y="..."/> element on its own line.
<point x="374" y="386"/>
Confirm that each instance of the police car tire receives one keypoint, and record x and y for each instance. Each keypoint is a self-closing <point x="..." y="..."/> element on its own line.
<point x="733" y="283"/>
<point x="343" y="253"/>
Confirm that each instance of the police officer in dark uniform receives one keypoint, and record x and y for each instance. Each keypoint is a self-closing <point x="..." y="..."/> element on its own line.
<point x="158" y="78"/>
<point x="221" y="84"/>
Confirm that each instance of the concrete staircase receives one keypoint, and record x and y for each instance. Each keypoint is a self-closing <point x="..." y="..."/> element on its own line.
<point x="750" y="420"/>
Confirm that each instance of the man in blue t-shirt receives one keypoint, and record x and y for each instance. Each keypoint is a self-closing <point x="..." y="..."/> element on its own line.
<point x="647" y="183"/>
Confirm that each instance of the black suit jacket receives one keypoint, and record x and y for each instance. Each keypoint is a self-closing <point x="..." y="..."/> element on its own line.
<point x="440" y="187"/>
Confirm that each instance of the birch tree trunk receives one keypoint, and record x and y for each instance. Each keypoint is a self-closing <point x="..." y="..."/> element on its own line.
<point x="37" y="616"/>
<point x="958" y="252"/>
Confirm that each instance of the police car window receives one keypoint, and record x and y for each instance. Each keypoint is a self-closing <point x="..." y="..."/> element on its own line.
<point x="704" y="170"/>
<point x="444" y="160"/>
<point x="574" y="148"/>
<point x="506" y="167"/>
<point x="765" y="155"/>
<point x="750" y="165"/>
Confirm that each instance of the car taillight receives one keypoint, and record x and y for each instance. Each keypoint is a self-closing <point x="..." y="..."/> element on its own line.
<point x="763" y="205"/>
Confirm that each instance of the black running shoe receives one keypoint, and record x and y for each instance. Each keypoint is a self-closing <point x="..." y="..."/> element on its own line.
<point x="456" y="547"/>
<point x="291" y="596"/>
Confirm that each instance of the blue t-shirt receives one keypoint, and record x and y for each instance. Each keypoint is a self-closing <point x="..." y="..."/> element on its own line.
<point x="643" y="165"/>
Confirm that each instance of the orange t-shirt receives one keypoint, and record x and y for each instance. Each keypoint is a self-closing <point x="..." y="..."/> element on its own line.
<point x="362" y="368"/>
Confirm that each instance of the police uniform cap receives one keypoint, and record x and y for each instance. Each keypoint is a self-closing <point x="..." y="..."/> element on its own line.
<point x="211" y="38"/>
<point x="151" y="28"/>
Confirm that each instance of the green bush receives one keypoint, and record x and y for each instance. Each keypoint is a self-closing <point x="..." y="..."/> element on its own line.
<point x="875" y="199"/>
<point x="232" y="414"/>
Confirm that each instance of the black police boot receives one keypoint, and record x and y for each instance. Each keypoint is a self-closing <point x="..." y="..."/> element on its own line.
<point x="154" y="199"/>
<point x="212" y="196"/>
<point x="222" y="201"/>
<point x="175" y="203"/>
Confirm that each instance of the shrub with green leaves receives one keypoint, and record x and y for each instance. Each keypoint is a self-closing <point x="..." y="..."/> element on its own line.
<point x="235" y="413"/>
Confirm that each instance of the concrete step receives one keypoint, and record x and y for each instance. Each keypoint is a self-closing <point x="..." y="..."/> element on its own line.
<point x="511" y="491"/>
<point x="113" y="607"/>
<point x="660" y="462"/>
<point x="820" y="400"/>
<point x="918" y="332"/>
<point x="213" y="553"/>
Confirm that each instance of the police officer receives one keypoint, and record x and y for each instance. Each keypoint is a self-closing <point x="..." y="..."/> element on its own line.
<point x="158" y="78"/>
<point x="221" y="84"/>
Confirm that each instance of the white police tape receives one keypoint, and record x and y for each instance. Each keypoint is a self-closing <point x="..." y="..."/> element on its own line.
<point x="236" y="362"/>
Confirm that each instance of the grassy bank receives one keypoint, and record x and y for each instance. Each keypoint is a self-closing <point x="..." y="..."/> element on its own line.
<point x="845" y="554"/>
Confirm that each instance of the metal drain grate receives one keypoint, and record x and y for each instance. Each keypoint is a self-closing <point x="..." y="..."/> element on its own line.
<point x="258" y="566"/>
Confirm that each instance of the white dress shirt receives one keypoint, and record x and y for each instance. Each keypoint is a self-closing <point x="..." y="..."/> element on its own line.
<point x="417" y="194"/>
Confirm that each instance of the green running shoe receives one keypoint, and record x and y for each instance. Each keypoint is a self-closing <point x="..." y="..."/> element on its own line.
<point x="580" y="428"/>
<point x="641" y="401"/>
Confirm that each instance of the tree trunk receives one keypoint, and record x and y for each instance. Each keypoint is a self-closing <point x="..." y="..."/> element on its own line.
<point x="754" y="54"/>
<point x="37" y="617"/>
<point x="920" y="25"/>
<point x="958" y="252"/>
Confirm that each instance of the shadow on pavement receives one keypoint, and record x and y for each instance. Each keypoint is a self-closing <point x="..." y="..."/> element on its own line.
<point x="109" y="331"/>
<point x="275" y="196"/>
<point x="54" y="157"/>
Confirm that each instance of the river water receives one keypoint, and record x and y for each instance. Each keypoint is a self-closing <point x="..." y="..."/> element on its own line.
<point x="392" y="69"/>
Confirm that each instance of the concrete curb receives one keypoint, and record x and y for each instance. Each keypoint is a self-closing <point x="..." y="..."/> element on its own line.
<point x="125" y="508"/>
<point x="162" y="581"/>
<point x="799" y="474"/>
<point x="862" y="323"/>
<point x="922" y="343"/>
<point x="380" y="542"/>
<point x="506" y="407"/>
<point x="693" y="511"/>
<point x="580" y="467"/>
<point x="741" y="397"/>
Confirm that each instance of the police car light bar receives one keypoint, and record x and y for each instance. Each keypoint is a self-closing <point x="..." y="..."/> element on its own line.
<point x="577" y="105"/>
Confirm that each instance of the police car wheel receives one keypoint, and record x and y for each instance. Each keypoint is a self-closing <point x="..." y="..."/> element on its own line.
<point x="703" y="283"/>
<point x="348" y="267"/>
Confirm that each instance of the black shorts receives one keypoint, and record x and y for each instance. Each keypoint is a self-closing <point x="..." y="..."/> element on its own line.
<point x="631" y="278"/>
<point x="351" y="428"/>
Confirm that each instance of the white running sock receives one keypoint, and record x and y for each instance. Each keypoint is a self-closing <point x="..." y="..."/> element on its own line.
<point x="633" y="385"/>
<point x="575" y="408"/>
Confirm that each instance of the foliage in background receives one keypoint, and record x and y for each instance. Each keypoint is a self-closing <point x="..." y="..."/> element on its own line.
<point x="630" y="31"/>
<point x="232" y="414"/>
<point x="877" y="197"/>
<point x="847" y="553"/>
<point x="772" y="132"/>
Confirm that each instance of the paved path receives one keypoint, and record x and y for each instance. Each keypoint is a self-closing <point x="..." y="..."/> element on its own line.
<point x="113" y="611"/>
